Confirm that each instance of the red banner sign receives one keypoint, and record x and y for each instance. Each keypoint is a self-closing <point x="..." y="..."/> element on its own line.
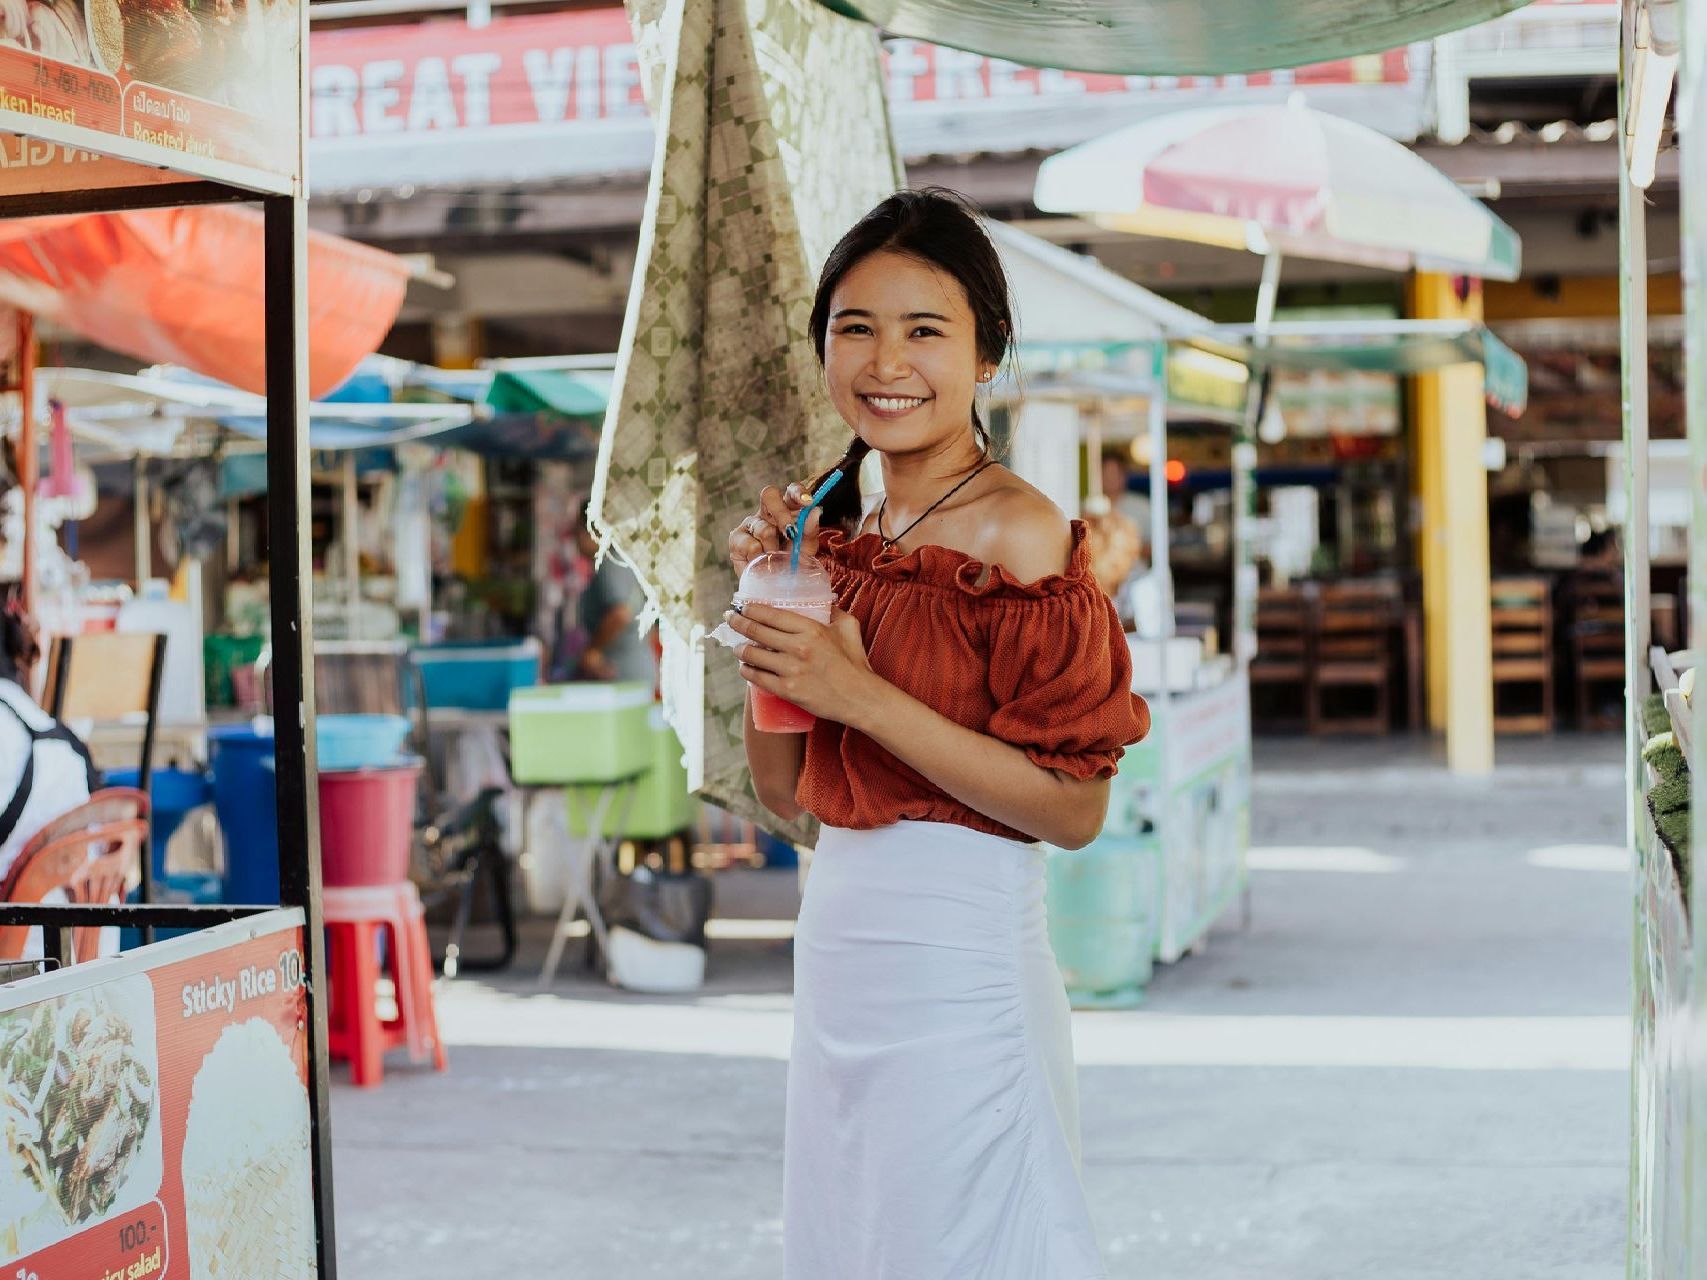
<point x="548" y="69"/>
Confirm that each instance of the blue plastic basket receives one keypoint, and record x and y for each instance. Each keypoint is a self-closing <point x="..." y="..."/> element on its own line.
<point x="477" y="676"/>
<point x="359" y="741"/>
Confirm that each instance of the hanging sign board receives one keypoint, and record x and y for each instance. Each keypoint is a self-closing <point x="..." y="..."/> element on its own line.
<point x="197" y="90"/>
<point x="157" y="1112"/>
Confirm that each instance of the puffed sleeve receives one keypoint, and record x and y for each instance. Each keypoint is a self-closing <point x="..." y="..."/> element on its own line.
<point x="1061" y="680"/>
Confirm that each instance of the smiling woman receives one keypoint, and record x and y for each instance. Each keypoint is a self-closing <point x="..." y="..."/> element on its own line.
<point x="972" y="695"/>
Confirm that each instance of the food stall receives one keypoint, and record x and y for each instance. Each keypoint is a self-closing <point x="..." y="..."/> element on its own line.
<point x="1106" y="362"/>
<point x="188" y="1079"/>
<point x="1171" y="858"/>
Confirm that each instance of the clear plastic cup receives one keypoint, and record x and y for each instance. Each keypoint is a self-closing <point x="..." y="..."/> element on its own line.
<point x="769" y="580"/>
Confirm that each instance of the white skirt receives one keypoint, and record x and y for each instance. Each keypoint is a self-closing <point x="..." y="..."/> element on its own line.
<point x="933" y="1116"/>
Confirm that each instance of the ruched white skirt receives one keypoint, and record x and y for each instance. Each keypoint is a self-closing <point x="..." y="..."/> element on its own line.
<point x="933" y="1118"/>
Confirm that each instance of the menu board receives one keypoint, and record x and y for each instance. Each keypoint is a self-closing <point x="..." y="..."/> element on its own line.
<point x="154" y="1113"/>
<point x="202" y="88"/>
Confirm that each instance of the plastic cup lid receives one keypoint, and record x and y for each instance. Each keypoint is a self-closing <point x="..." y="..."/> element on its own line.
<point x="770" y="579"/>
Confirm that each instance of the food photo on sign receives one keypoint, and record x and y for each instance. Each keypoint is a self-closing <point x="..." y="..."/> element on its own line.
<point x="53" y="29"/>
<point x="79" y="1112"/>
<point x="245" y="1166"/>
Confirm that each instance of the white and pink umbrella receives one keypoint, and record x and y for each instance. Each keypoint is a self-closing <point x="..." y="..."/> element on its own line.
<point x="1284" y="180"/>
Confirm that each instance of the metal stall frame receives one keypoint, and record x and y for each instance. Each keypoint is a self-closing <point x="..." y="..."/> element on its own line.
<point x="1668" y="1095"/>
<point x="285" y="334"/>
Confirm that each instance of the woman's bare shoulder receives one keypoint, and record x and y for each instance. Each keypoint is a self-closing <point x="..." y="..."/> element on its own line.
<point x="1023" y="531"/>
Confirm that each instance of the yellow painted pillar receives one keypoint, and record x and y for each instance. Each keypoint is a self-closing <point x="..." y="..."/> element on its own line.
<point x="1450" y="417"/>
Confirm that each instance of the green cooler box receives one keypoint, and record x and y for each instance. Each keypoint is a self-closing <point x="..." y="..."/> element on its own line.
<point x="1105" y="904"/>
<point x="580" y="733"/>
<point x="661" y="805"/>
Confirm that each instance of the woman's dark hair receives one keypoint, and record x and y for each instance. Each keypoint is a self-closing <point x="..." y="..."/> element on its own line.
<point x="18" y="648"/>
<point x="942" y="229"/>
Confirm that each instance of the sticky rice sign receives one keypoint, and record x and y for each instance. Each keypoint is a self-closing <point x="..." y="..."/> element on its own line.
<point x="157" y="1123"/>
<point x="204" y="90"/>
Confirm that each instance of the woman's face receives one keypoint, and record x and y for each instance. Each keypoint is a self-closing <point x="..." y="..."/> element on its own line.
<point x="901" y="356"/>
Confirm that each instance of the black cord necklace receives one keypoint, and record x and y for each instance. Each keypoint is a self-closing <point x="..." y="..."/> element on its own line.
<point x="882" y="506"/>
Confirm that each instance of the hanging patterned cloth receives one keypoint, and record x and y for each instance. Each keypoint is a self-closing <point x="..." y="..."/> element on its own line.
<point x="773" y="139"/>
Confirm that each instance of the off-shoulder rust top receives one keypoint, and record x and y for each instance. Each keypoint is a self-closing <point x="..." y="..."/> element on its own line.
<point x="1043" y="665"/>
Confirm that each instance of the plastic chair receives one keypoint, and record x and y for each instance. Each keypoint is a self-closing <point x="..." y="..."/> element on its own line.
<point x="111" y="677"/>
<point x="1521" y="618"/>
<point x="1597" y="648"/>
<point x="1354" y="625"/>
<point x="112" y="826"/>
<point x="1285" y="656"/>
<point x="355" y="919"/>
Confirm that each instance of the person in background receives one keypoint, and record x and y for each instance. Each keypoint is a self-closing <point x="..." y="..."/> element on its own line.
<point x="45" y="770"/>
<point x="1601" y="553"/>
<point x="1118" y="524"/>
<point x="1135" y="506"/>
<point x="608" y="609"/>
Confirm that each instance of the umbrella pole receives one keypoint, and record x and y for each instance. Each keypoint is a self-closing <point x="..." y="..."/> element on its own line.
<point x="27" y="455"/>
<point x="352" y="555"/>
<point x="1244" y="471"/>
<point x="140" y="525"/>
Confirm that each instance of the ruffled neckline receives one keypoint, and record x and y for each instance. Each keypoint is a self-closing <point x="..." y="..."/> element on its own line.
<point x="955" y="570"/>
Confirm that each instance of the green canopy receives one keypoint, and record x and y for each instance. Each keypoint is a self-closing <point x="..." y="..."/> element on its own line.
<point x="1388" y="346"/>
<point x="1172" y="37"/>
<point x="567" y="393"/>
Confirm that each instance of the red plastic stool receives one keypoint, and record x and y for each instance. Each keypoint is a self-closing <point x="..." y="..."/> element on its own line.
<point x="354" y="920"/>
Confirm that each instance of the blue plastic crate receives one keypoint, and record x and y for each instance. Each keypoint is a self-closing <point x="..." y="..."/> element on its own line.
<point x="478" y="675"/>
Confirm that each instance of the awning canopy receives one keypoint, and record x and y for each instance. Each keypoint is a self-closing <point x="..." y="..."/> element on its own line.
<point x="544" y="415"/>
<point x="1089" y="333"/>
<point x="1172" y="37"/>
<point x="1283" y="177"/>
<point x="1385" y="346"/>
<point x="184" y="287"/>
<point x="1064" y="297"/>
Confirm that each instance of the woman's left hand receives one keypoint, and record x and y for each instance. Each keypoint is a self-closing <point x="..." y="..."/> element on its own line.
<point x="821" y="668"/>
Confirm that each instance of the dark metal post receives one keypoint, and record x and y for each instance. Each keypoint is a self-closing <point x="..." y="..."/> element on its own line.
<point x="292" y="642"/>
<point x="145" y="776"/>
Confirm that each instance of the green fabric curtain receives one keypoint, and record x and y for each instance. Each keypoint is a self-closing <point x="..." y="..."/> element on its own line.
<point x="773" y="139"/>
<point x="1172" y="37"/>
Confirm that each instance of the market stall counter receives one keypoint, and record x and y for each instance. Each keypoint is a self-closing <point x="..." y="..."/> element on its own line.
<point x="178" y="1101"/>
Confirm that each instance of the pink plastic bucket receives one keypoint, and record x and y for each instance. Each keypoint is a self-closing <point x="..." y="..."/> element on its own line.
<point x="367" y="821"/>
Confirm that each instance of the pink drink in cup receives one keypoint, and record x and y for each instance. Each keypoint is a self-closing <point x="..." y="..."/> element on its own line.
<point x="806" y="589"/>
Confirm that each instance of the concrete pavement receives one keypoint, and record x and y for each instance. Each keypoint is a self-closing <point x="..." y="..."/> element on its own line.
<point x="1412" y="1065"/>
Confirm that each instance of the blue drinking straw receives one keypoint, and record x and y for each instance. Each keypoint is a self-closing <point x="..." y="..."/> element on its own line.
<point x="800" y="520"/>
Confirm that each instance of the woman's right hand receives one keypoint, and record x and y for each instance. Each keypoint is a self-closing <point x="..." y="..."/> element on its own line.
<point x="769" y="528"/>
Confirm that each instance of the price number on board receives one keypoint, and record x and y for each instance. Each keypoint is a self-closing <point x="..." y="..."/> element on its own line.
<point x="291" y="970"/>
<point x="134" y="1235"/>
<point x="24" y="1273"/>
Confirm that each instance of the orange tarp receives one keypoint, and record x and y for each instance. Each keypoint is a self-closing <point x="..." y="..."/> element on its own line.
<point x="184" y="286"/>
